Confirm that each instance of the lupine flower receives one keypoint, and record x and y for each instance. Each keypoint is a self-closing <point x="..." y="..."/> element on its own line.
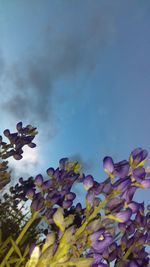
<point x="17" y="156"/>
<point x="122" y="184"/>
<point x="53" y="197"/>
<point x="21" y="180"/>
<point x="97" y="258"/>
<point x="138" y="174"/>
<point x="78" y="207"/>
<point x="100" y="234"/>
<point x="50" y="171"/>
<point x="32" y="246"/>
<point x="88" y="182"/>
<point x="67" y="204"/>
<point x="100" y="265"/>
<point x="49" y="214"/>
<point x="90" y="197"/>
<point x="47" y="185"/>
<point x="62" y="163"/>
<point x="114" y="205"/>
<point x="134" y="206"/>
<point x="138" y="157"/>
<point x="130" y="227"/>
<point x="100" y="240"/>
<point x="6" y="133"/>
<point x="30" y="193"/>
<point x="104" y="187"/>
<point x="119" y="169"/>
<point x="108" y="164"/>
<point x="129" y="193"/>
<point x="70" y="196"/>
<point x="140" y="219"/>
<point x="37" y="202"/>
<point x="31" y="145"/>
<point x="38" y="180"/>
<point x="145" y="183"/>
<point x="122" y="216"/>
<point x="19" y="126"/>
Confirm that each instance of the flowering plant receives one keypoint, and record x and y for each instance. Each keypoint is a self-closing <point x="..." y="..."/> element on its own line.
<point x="112" y="228"/>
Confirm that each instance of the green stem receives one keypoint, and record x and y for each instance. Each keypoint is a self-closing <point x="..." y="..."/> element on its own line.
<point x="80" y="230"/>
<point x="91" y="217"/>
<point x="95" y="212"/>
<point x="126" y="255"/>
<point x="28" y="224"/>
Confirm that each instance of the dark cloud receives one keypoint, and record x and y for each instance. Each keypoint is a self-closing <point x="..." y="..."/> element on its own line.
<point x="67" y="46"/>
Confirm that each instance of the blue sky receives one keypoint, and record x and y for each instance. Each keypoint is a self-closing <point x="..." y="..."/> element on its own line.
<point x="80" y="72"/>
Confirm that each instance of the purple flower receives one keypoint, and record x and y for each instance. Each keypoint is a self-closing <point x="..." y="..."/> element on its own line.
<point x="50" y="171"/>
<point x="124" y="216"/>
<point x="67" y="204"/>
<point x="122" y="184"/>
<point x="100" y="240"/>
<point x="62" y="163"/>
<point x="17" y="156"/>
<point x="19" y="126"/>
<point x="90" y="197"/>
<point x="133" y="263"/>
<point x="104" y="187"/>
<point x="97" y="258"/>
<point x="32" y="247"/>
<point x="99" y="265"/>
<point x="138" y="157"/>
<point x="145" y="183"/>
<point x="21" y="180"/>
<point x="30" y="193"/>
<point x="53" y="197"/>
<point x="119" y="169"/>
<point x="49" y="214"/>
<point x="138" y="174"/>
<point x="134" y="206"/>
<point x="114" y="204"/>
<point x="47" y="184"/>
<point x="31" y="145"/>
<point x="108" y="165"/>
<point x="88" y="182"/>
<point x="7" y="133"/>
<point x="129" y="193"/>
<point x="38" y="180"/>
<point x="70" y="196"/>
<point x="78" y="207"/>
<point x="56" y="175"/>
<point x="37" y="202"/>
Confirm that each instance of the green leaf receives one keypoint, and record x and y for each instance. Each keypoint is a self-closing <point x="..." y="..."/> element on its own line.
<point x="59" y="219"/>
<point x="26" y="251"/>
<point x="78" y="262"/>
<point x="16" y="248"/>
<point x="4" y="245"/>
<point x="7" y="264"/>
<point x="82" y="262"/>
<point x="13" y="260"/>
<point x="50" y="239"/>
<point x="34" y="258"/>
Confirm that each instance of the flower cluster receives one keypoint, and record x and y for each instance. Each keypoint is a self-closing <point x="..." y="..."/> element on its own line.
<point x="112" y="228"/>
<point x="23" y="136"/>
<point x="91" y="234"/>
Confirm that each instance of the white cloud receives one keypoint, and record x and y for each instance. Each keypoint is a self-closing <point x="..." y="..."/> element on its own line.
<point x="27" y="166"/>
